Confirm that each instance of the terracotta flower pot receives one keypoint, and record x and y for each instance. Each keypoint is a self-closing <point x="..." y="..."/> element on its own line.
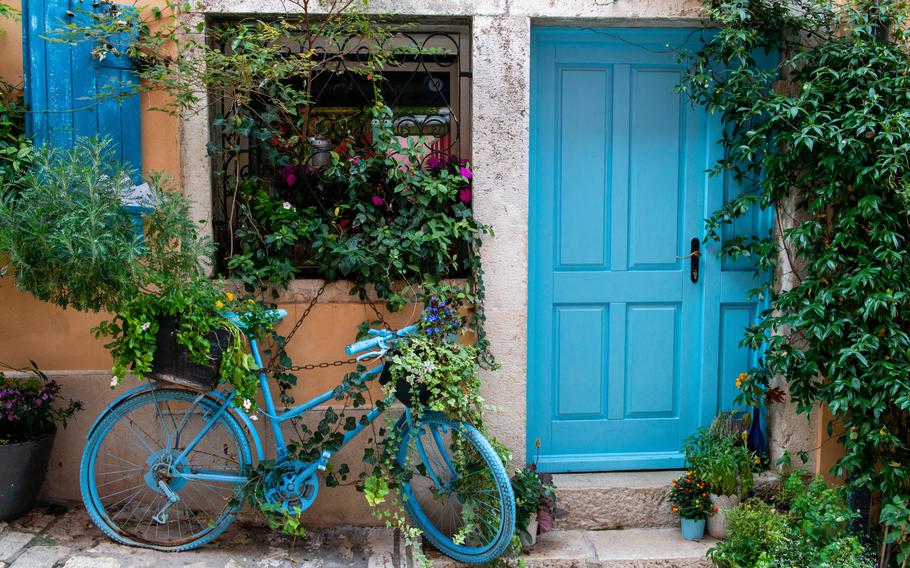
<point x="22" y="470"/>
<point x="717" y="526"/>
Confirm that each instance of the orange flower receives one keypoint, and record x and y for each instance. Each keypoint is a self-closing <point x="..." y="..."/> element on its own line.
<point x="742" y="378"/>
<point x="229" y="296"/>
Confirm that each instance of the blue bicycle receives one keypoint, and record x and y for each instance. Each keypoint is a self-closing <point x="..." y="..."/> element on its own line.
<point x="162" y="466"/>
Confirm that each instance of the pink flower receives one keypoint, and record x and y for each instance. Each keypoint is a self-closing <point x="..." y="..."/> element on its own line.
<point x="355" y="160"/>
<point x="435" y="162"/>
<point x="289" y="173"/>
<point x="466" y="172"/>
<point x="377" y="201"/>
<point x="465" y="195"/>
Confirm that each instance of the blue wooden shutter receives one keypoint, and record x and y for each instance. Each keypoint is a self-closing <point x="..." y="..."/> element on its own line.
<point x="62" y="83"/>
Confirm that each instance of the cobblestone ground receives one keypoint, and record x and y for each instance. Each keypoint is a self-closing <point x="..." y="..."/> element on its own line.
<point x="57" y="537"/>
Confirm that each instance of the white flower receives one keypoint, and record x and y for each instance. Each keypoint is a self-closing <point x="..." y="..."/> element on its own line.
<point x="115" y="381"/>
<point x="253" y="417"/>
<point x="247" y="404"/>
<point x="429" y="366"/>
<point x="146" y="325"/>
<point x="287" y="205"/>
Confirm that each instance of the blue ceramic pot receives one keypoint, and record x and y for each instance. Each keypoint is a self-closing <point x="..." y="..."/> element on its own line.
<point x="692" y="529"/>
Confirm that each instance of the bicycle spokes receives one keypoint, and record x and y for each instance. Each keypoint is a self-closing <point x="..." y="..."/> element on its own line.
<point x="451" y="488"/>
<point x="135" y="463"/>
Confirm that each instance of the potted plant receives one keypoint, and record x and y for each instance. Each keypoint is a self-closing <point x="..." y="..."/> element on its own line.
<point x="535" y="504"/>
<point x="690" y="500"/>
<point x="431" y="370"/>
<point x="725" y="464"/>
<point x="28" y="423"/>
<point x="73" y="243"/>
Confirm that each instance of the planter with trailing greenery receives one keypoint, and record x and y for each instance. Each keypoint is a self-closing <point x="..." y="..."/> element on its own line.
<point x="30" y="410"/>
<point x="690" y="500"/>
<point x="73" y="244"/>
<point x="719" y="457"/>
<point x="535" y="504"/>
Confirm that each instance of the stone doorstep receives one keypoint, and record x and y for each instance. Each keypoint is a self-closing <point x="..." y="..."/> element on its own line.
<point x="630" y="548"/>
<point x="620" y="500"/>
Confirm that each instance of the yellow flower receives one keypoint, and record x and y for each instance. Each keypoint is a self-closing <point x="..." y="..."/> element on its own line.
<point x="229" y="296"/>
<point x="251" y="301"/>
<point x="219" y="304"/>
<point x="757" y="460"/>
<point x="883" y="431"/>
<point x="743" y="377"/>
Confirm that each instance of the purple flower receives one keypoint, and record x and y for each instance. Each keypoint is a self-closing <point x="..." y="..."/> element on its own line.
<point x="466" y="172"/>
<point x="355" y="160"/>
<point x="377" y="201"/>
<point x="434" y="162"/>
<point x="464" y="195"/>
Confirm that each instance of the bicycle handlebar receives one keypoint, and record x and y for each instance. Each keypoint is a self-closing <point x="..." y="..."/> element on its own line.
<point x="382" y="335"/>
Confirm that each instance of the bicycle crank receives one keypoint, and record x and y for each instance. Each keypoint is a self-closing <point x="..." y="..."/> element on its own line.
<point x="284" y="488"/>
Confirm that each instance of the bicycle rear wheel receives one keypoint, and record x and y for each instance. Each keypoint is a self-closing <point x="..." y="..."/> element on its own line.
<point x="128" y="470"/>
<point x="455" y="488"/>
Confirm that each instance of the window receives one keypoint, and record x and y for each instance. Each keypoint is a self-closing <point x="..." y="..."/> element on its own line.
<point x="427" y="85"/>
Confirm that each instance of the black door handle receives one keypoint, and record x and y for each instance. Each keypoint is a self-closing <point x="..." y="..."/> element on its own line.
<point x="693" y="257"/>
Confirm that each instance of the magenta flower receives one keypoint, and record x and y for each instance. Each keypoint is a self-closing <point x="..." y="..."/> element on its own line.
<point x="465" y="195"/>
<point x="289" y="173"/>
<point x="355" y="160"/>
<point x="434" y="162"/>
<point x="377" y="201"/>
<point x="466" y="172"/>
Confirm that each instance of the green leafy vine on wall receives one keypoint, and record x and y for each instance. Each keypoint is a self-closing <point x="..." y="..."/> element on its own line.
<point x="828" y="149"/>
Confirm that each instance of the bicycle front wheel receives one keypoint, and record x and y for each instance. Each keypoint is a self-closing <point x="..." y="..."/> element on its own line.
<point x="455" y="488"/>
<point x="131" y="465"/>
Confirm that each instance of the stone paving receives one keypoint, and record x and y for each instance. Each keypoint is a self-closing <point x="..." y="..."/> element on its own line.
<point x="56" y="537"/>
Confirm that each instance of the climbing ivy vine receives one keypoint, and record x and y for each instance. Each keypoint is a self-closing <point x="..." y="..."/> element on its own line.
<point x="823" y="139"/>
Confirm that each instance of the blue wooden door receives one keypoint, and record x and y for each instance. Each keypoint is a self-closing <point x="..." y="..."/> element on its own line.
<point x="627" y="355"/>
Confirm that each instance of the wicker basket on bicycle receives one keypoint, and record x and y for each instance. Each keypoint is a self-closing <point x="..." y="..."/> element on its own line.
<point x="172" y="362"/>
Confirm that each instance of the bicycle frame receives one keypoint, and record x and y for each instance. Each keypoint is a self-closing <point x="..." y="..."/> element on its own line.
<point x="276" y="420"/>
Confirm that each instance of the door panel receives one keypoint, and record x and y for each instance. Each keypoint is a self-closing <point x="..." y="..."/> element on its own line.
<point x="619" y="334"/>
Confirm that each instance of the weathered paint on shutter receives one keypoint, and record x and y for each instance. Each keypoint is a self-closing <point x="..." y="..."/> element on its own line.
<point x="62" y="84"/>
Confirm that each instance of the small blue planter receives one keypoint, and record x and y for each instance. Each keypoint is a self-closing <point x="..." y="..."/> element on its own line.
<point x="692" y="529"/>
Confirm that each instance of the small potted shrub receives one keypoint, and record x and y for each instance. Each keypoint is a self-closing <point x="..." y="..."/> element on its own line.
<point x="725" y="464"/>
<point x="535" y="504"/>
<point x="28" y="423"/>
<point x="690" y="500"/>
